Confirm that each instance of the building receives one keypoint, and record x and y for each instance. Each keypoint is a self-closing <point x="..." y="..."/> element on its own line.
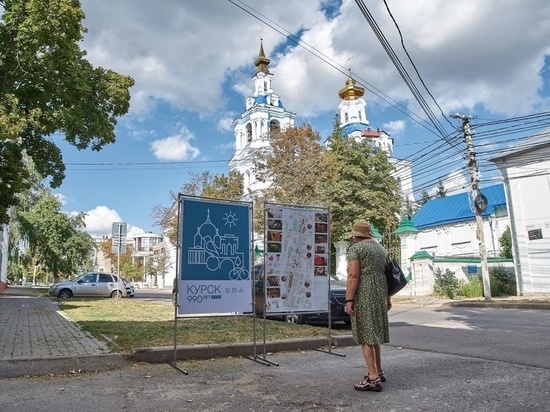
<point x="143" y="251"/>
<point x="443" y="235"/>
<point x="264" y="113"/>
<point x="352" y="112"/>
<point x="526" y="168"/>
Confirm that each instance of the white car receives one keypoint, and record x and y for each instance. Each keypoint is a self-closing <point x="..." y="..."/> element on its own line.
<point x="129" y="288"/>
<point x="89" y="284"/>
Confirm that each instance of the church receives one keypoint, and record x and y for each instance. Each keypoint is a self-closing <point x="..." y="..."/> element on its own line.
<point x="264" y="112"/>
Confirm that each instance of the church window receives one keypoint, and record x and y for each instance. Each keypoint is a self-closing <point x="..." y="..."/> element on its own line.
<point x="249" y="132"/>
<point x="274" y="126"/>
<point x="346" y="117"/>
<point x="265" y="86"/>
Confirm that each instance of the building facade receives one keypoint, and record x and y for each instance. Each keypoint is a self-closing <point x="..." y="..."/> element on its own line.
<point x="263" y="114"/>
<point x="525" y="168"/>
<point x="443" y="235"/>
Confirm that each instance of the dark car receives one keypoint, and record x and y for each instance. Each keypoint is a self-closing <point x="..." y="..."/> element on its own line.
<point x="337" y="302"/>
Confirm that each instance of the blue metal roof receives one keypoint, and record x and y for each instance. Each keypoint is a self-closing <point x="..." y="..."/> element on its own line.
<point x="353" y="127"/>
<point x="456" y="208"/>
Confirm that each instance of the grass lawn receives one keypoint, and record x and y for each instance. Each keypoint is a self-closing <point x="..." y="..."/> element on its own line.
<point x="130" y="323"/>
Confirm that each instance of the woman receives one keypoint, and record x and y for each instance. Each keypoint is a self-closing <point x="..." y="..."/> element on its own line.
<point x="367" y="301"/>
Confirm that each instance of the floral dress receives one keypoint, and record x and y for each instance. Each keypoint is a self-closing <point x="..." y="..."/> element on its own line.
<point x="370" y="323"/>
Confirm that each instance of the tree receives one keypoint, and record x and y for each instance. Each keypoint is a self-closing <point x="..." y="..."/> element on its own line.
<point x="55" y="239"/>
<point x="424" y="198"/>
<point x="364" y="187"/>
<point x="200" y="184"/>
<point x="506" y="243"/>
<point x="48" y="87"/>
<point x="298" y="166"/>
<point x="127" y="266"/>
<point x="441" y="191"/>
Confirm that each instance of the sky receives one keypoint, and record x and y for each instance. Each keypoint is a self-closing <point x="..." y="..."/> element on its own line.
<point x="192" y="62"/>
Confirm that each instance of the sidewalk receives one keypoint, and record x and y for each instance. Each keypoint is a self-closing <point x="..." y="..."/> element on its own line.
<point x="36" y="339"/>
<point x="33" y="330"/>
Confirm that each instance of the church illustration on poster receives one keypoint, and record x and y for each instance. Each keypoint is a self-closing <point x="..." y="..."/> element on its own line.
<point x="212" y="250"/>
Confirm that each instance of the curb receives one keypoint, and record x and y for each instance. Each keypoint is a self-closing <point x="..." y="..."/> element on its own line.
<point x="17" y="368"/>
<point x="500" y="305"/>
<point x="163" y="354"/>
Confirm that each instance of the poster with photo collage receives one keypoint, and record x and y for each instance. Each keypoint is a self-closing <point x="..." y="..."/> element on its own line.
<point x="296" y="259"/>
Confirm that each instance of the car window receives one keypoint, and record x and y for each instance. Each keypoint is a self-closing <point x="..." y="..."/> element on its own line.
<point x="103" y="277"/>
<point x="89" y="278"/>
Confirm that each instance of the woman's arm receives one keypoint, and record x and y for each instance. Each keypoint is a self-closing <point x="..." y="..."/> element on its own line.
<point x="351" y="285"/>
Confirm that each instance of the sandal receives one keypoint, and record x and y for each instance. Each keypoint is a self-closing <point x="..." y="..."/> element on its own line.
<point x="380" y="375"/>
<point x="369" y="385"/>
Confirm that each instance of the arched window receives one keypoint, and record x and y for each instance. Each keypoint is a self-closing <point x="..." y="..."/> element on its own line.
<point x="346" y="117"/>
<point x="274" y="126"/>
<point x="249" y="132"/>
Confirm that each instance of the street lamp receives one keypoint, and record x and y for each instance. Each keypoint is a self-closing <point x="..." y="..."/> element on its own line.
<point x="480" y="202"/>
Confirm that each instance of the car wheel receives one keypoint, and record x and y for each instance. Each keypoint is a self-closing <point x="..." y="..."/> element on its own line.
<point x="65" y="294"/>
<point x="294" y="318"/>
<point x="116" y="294"/>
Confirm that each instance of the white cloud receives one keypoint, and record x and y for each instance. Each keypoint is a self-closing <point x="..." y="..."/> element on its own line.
<point x="456" y="182"/>
<point x="175" y="148"/>
<point x="395" y="128"/>
<point x="99" y="222"/>
<point x="457" y="47"/>
<point x="225" y="124"/>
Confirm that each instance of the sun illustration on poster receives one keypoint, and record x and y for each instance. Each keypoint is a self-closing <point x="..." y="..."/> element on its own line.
<point x="230" y="219"/>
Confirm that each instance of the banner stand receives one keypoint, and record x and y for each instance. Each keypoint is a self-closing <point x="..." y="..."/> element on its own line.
<point x="174" y="364"/>
<point x="256" y="358"/>
<point x="329" y="350"/>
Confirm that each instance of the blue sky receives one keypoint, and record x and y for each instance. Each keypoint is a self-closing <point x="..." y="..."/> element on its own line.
<point x="193" y="62"/>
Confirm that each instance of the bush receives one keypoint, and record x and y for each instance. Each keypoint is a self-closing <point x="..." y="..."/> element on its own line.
<point x="473" y="288"/>
<point x="446" y="284"/>
<point x="503" y="281"/>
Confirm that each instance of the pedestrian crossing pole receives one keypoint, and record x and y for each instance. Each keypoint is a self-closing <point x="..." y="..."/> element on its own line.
<point x="480" y="202"/>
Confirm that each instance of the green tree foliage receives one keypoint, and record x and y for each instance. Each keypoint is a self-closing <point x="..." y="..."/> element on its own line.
<point x="298" y="166"/>
<point x="128" y="268"/>
<point x="364" y="187"/>
<point x="441" y="191"/>
<point x="446" y="284"/>
<point x="506" y="243"/>
<point x="424" y="198"/>
<point x="55" y="239"/>
<point x="48" y="87"/>
<point x="200" y="184"/>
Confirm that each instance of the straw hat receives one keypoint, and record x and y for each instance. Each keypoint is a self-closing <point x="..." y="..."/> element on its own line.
<point x="362" y="229"/>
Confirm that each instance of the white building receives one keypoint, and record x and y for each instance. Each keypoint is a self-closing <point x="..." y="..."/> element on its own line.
<point x="264" y="113"/>
<point x="443" y="235"/>
<point x="354" y="123"/>
<point x="526" y="168"/>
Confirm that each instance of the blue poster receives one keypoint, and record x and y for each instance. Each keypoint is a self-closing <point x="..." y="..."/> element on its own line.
<point x="215" y="257"/>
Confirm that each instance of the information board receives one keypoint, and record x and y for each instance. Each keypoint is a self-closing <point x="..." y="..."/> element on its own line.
<point x="215" y="256"/>
<point x="297" y="259"/>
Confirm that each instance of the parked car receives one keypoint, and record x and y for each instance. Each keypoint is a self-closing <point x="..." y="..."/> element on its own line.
<point x="95" y="284"/>
<point x="337" y="302"/>
<point x="129" y="288"/>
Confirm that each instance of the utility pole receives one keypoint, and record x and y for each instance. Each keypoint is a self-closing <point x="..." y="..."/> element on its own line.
<point x="480" y="203"/>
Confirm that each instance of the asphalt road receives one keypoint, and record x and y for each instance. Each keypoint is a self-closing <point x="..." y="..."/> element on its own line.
<point x="440" y="359"/>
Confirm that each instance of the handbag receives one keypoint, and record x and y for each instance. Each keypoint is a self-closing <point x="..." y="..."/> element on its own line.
<point x="395" y="277"/>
